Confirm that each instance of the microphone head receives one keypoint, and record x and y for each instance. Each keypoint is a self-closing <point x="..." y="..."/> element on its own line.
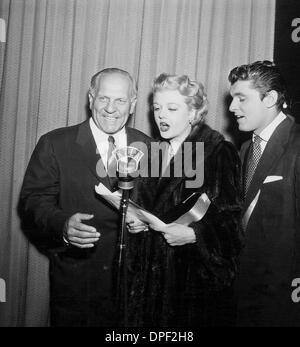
<point x="128" y="159"/>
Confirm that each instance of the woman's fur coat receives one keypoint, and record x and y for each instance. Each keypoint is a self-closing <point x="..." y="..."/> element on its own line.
<point x="189" y="285"/>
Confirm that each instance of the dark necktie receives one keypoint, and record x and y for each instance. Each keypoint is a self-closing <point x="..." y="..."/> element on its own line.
<point x="254" y="157"/>
<point x="111" y="162"/>
<point x="111" y="147"/>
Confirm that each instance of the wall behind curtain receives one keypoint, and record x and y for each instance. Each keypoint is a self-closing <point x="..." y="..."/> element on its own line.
<point x="52" y="49"/>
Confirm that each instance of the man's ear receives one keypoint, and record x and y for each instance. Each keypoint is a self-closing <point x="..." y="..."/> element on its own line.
<point x="271" y="98"/>
<point x="91" y="99"/>
<point x="132" y="105"/>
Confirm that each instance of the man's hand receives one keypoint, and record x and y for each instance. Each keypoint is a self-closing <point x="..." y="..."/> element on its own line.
<point x="79" y="234"/>
<point x="177" y="234"/>
<point x="135" y="226"/>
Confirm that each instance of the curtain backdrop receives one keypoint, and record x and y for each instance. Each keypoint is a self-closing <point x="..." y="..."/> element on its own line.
<point x="53" y="48"/>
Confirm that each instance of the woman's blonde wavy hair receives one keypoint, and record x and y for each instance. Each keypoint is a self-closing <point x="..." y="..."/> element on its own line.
<point x="192" y="91"/>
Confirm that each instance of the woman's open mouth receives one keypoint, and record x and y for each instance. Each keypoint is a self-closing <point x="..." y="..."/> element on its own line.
<point x="164" y="126"/>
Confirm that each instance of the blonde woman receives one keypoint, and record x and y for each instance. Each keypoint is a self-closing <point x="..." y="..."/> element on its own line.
<point x="185" y="273"/>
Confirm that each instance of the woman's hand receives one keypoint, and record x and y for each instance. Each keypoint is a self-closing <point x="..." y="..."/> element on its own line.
<point x="177" y="234"/>
<point x="135" y="226"/>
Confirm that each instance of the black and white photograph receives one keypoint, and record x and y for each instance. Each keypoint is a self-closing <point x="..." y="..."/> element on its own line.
<point x="150" y="166"/>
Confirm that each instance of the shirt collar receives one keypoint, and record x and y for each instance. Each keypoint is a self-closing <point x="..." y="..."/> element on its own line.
<point x="269" y="129"/>
<point x="102" y="137"/>
<point x="176" y="143"/>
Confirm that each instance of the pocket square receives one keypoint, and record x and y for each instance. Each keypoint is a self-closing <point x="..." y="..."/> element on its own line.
<point x="272" y="179"/>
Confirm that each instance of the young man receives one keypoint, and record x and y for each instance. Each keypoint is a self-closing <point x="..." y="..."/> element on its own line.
<point x="271" y="216"/>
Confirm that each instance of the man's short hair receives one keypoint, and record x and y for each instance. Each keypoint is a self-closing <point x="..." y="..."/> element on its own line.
<point x="113" y="70"/>
<point x="265" y="76"/>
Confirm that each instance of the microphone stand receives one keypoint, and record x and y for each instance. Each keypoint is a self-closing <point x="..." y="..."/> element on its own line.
<point x="126" y="184"/>
<point x="127" y="167"/>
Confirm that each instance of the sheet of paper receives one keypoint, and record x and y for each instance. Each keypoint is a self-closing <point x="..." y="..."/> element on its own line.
<point x="196" y="213"/>
<point x="134" y="210"/>
<point x="137" y="212"/>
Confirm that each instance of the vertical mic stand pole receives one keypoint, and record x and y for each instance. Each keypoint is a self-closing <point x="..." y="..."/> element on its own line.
<point x="126" y="185"/>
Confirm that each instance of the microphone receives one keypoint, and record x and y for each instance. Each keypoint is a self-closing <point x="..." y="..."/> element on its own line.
<point x="128" y="159"/>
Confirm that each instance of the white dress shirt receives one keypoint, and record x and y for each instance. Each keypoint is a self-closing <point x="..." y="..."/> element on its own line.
<point x="175" y="144"/>
<point x="266" y="134"/>
<point x="101" y="139"/>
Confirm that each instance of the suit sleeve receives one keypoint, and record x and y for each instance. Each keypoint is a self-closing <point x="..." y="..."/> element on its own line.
<point x="39" y="201"/>
<point x="218" y="233"/>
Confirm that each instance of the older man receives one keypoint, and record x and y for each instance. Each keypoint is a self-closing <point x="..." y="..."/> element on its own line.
<point x="79" y="229"/>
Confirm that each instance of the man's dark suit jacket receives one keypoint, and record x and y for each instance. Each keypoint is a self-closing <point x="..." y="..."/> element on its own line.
<point x="271" y="258"/>
<point x="59" y="182"/>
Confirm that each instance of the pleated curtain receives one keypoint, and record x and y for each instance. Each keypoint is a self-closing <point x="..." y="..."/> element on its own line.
<point x="52" y="49"/>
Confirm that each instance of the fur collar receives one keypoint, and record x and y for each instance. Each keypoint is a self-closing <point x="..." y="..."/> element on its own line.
<point x="167" y="185"/>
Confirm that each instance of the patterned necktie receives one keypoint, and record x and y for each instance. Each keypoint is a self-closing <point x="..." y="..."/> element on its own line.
<point x="254" y="157"/>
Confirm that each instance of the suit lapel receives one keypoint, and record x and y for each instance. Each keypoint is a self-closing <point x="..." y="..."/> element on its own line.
<point x="244" y="159"/>
<point x="89" y="153"/>
<point x="130" y="136"/>
<point x="135" y="137"/>
<point x="271" y="155"/>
